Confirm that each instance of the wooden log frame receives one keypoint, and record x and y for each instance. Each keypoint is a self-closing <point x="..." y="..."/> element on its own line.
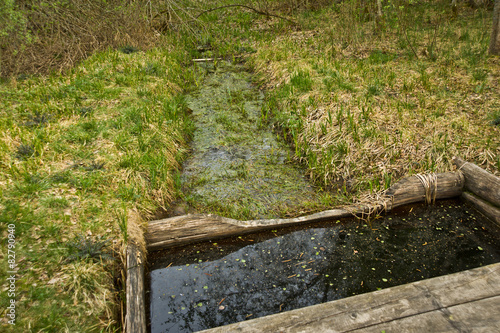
<point x="484" y="207"/>
<point x="479" y="181"/>
<point x="189" y="228"/>
<point x="182" y="230"/>
<point x="484" y="188"/>
<point x="135" y="320"/>
<point x="410" y="190"/>
<point x="186" y="229"/>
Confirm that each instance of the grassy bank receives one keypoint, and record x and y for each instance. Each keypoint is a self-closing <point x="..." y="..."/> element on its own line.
<point x="86" y="155"/>
<point x="366" y="101"/>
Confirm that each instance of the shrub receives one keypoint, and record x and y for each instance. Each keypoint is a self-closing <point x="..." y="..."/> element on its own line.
<point x="42" y="36"/>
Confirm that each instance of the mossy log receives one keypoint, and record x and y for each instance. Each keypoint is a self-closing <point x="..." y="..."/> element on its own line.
<point x="135" y="320"/>
<point x="186" y="229"/>
<point x="479" y="181"/>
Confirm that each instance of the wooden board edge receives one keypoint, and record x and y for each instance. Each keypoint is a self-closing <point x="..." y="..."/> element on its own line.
<point x="135" y="319"/>
<point x="490" y="211"/>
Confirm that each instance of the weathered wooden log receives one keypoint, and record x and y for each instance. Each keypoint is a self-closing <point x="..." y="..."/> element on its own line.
<point x="186" y="229"/>
<point x="479" y="181"/>
<point x="490" y="211"/>
<point x="411" y="189"/>
<point x="135" y="320"/>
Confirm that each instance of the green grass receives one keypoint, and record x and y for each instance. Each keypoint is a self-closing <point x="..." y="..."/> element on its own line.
<point x="76" y="149"/>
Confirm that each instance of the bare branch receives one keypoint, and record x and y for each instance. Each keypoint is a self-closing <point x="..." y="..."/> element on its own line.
<point x="250" y="8"/>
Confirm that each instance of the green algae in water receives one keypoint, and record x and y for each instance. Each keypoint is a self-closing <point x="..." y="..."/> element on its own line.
<point x="252" y="276"/>
<point x="238" y="167"/>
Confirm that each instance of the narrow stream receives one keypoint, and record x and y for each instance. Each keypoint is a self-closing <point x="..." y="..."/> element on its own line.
<point x="238" y="167"/>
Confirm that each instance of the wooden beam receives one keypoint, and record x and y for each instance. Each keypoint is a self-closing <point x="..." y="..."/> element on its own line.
<point x="476" y="316"/>
<point x="135" y="320"/>
<point x="479" y="181"/>
<point x="491" y="212"/>
<point x="186" y="229"/>
<point x="455" y="302"/>
<point x="411" y="190"/>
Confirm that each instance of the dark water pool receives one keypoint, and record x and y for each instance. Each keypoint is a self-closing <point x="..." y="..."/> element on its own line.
<point x="223" y="282"/>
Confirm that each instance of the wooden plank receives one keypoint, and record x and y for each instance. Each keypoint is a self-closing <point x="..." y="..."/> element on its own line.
<point x="433" y="322"/>
<point x="479" y="181"/>
<point x="478" y="316"/>
<point x="386" y="306"/>
<point x="135" y="320"/>
<point x="186" y="229"/>
<point x="484" y="207"/>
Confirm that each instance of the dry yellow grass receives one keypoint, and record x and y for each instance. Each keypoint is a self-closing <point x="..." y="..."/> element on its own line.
<point x="374" y="114"/>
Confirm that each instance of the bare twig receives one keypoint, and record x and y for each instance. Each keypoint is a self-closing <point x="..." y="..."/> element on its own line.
<point x="204" y="59"/>
<point x="409" y="43"/>
<point x="250" y="8"/>
<point x="433" y="43"/>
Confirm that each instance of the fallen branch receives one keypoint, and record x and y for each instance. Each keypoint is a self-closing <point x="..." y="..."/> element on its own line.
<point x="212" y="59"/>
<point x="247" y="7"/>
<point x="205" y="59"/>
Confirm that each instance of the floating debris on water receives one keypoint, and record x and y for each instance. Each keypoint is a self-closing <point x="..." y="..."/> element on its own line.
<point x="258" y="275"/>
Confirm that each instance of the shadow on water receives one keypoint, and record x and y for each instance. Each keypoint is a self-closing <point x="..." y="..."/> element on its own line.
<point x="218" y="283"/>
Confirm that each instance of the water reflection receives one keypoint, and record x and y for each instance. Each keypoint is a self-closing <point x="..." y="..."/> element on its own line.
<point x="316" y="265"/>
